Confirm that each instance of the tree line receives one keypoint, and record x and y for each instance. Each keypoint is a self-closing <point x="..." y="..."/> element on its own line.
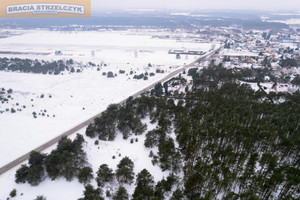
<point x="68" y="160"/>
<point x="35" y="66"/>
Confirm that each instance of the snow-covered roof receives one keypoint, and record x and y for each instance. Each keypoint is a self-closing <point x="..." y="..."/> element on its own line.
<point x="239" y="53"/>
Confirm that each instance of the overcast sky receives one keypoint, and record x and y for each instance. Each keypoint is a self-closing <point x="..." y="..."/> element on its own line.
<point x="199" y="4"/>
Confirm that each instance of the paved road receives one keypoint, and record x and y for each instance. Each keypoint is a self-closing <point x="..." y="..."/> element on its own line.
<point x="43" y="147"/>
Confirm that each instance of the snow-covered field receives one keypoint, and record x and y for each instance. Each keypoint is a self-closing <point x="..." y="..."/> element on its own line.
<point x="116" y="47"/>
<point x="76" y="97"/>
<point x="72" y="98"/>
<point x="292" y="21"/>
<point x="63" y="101"/>
<point x="97" y="155"/>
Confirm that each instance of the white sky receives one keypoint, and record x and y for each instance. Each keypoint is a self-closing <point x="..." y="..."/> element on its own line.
<point x="198" y="4"/>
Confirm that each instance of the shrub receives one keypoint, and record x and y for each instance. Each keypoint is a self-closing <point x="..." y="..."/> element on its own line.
<point x="13" y="193"/>
<point x="40" y="197"/>
<point x="141" y="76"/>
<point x="110" y="75"/>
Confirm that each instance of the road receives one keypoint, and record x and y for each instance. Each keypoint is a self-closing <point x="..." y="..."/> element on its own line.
<point x="46" y="145"/>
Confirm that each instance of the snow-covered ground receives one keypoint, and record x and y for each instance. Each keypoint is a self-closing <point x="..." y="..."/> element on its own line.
<point x="72" y="98"/>
<point x="76" y="97"/>
<point x="292" y="21"/>
<point x="97" y="155"/>
<point x="68" y="99"/>
<point x="115" y="47"/>
<point x="268" y="87"/>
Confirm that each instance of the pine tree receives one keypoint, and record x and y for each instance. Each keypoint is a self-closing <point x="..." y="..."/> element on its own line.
<point x="177" y="195"/>
<point x="104" y="175"/>
<point x="124" y="171"/>
<point x="92" y="194"/>
<point x="144" y="186"/>
<point x="36" y="170"/>
<point x="121" y="194"/>
<point x="85" y="175"/>
<point x="21" y="174"/>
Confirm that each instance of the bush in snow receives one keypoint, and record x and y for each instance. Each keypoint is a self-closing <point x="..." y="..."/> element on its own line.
<point x="40" y="197"/>
<point x="110" y="74"/>
<point x="13" y="193"/>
